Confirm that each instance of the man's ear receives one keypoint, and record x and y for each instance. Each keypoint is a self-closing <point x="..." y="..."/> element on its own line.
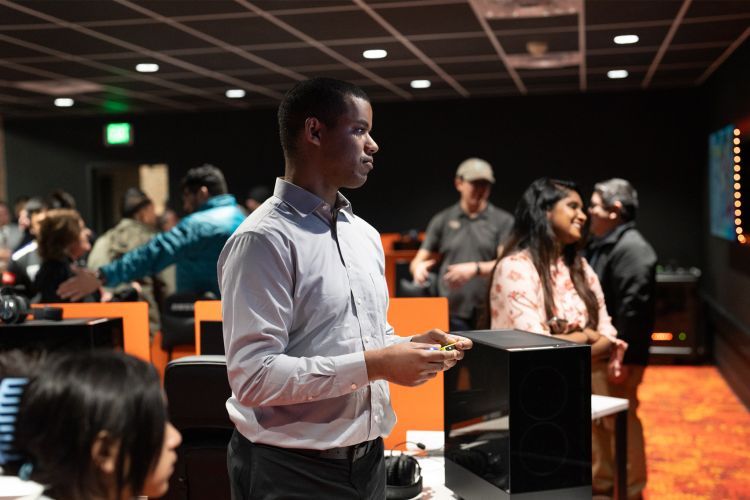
<point x="104" y="452"/>
<point x="313" y="127"/>
<point x="616" y="210"/>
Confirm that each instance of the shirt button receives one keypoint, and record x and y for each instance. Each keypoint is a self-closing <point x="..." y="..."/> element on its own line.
<point x="354" y="387"/>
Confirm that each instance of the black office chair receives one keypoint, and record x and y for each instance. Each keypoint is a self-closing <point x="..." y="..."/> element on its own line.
<point x="197" y="390"/>
<point x="177" y="319"/>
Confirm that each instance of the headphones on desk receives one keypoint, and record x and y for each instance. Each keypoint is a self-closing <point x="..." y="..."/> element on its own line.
<point x="403" y="476"/>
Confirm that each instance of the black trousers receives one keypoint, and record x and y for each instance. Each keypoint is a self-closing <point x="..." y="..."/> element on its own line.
<point x="258" y="471"/>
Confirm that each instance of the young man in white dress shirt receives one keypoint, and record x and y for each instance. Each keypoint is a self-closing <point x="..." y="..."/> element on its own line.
<point x="309" y="349"/>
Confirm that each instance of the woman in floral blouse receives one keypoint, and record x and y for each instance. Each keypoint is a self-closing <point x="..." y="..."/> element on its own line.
<point x="542" y="285"/>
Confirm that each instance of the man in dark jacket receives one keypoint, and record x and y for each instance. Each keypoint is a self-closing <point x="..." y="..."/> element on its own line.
<point x="626" y="266"/>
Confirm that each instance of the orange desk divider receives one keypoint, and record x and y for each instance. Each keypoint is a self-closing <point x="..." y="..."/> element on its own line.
<point x="205" y="310"/>
<point x="421" y="407"/>
<point x="134" y="321"/>
<point x="417" y="408"/>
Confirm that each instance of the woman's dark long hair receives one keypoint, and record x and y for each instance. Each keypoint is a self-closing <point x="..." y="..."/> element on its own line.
<point x="70" y="401"/>
<point x="533" y="232"/>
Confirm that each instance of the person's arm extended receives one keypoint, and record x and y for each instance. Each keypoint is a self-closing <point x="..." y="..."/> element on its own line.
<point x="421" y="265"/>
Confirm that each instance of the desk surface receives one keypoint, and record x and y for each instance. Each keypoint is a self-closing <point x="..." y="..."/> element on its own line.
<point x="601" y="406"/>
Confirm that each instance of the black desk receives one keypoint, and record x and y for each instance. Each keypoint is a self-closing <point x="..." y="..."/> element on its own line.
<point x="68" y="334"/>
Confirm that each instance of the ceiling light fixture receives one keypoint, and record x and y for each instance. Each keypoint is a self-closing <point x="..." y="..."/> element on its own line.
<point x="147" y="67"/>
<point x="626" y="39"/>
<point x="235" y="93"/>
<point x="375" y="54"/>
<point x="420" y="84"/>
<point x="64" y="102"/>
<point x="616" y="74"/>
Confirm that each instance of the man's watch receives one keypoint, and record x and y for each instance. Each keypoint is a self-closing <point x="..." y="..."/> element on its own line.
<point x="101" y="276"/>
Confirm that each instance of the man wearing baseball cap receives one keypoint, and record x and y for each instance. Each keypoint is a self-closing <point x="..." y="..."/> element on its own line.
<point x="463" y="241"/>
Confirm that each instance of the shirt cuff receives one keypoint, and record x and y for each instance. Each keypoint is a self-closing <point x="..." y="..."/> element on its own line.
<point x="351" y="372"/>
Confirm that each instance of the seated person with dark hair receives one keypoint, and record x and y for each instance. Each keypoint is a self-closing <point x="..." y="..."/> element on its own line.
<point x="92" y="425"/>
<point x="63" y="239"/>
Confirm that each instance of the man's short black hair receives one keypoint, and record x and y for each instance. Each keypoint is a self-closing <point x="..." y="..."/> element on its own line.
<point x="613" y="190"/>
<point x="205" y="175"/>
<point x="321" y="98"/>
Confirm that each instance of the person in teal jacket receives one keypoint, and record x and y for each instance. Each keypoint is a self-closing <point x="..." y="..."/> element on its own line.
<point x="193" y="245"/>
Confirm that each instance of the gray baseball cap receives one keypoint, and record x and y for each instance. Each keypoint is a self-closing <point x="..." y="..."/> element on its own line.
<point x="474" y="169"/>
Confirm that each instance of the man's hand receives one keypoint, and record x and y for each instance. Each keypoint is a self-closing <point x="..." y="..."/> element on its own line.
<point x="416" y="362"/>
<point x="615" y="366"/>
<point x="456" y="275"/>
<point x="436" y="336"/>
<point x="422" y="270"/>
<point x="83" y="283"/>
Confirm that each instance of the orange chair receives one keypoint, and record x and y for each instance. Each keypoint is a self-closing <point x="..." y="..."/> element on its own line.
<point x="134" y="321"/>
<point x="417" y="408"/>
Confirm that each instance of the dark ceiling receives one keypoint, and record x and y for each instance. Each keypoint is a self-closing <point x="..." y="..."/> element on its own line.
<point x="205" y="47"/>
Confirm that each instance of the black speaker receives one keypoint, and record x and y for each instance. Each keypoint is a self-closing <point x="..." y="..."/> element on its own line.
<point x="518" y="417"/>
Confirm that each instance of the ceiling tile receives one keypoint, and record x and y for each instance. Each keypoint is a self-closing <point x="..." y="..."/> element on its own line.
<point x="619" y="11"/>
<point x="706" y="8"/>
<point x="295" y="57"/>
<point x="10" y="17"/>
<point x="68" y="41"/>
<point x="453" y="48"/>
<point x="173" y="8"/>
<point x="707" y="55"/>
<point x="336" y="25"/>
<point x="83" y="11"/>
<point x="220" y="61"/>
<point x="711" y="32"/>
<point x="620" y="59"/>
<point x="144" y="36"/>
<point x="247" y="31"/>
<point x="415" y="70"/>
<point x="459" y="68"/>
<point x="442" y="19"/>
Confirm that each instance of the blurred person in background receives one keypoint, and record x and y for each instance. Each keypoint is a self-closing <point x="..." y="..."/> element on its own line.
<point x="193" y="244"/>
<point x="25" y="261"/>
<point x="63" y="239"/>
<point x="463" y="241"/>
<point x="136" y="228"/>
<point x="255" y="197"/>
<point x="10" y="235"/>
<point x="626" y="265"/>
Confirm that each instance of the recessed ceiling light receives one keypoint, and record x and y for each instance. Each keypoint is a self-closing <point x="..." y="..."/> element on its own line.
<point x="235" y="93"/>
<point x="147" y="67"/>
<point x="626" y="39"/>
<point x="617" y="73"/>
<point x="375" y="54"/>
<point x="64" y="102"/>
<point x="420" y="84"/>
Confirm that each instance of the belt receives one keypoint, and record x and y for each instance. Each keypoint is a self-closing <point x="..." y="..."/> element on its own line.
<point x="351" y="453"/>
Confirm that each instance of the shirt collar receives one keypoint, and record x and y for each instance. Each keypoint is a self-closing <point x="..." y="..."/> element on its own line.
<point x="305" y="203"/>
<point x="458" y="212"/>
<point x="614" y="235"/>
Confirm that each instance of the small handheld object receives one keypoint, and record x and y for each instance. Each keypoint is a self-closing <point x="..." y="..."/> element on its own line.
<point x="449" y="347"/>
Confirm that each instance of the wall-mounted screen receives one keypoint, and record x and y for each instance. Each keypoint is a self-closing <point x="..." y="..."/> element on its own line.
<point x="721" y="183"/>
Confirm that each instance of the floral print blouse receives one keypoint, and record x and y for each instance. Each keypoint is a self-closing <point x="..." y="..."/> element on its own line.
<point x="517" y="299"/>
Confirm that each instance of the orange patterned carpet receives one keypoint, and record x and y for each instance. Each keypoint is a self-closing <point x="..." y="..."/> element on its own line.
<point x="697" y="435"/>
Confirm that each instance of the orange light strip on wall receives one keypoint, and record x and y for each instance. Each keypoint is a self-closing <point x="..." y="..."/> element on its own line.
<point x="662" y="336"/>
<point x="737" y="188"/>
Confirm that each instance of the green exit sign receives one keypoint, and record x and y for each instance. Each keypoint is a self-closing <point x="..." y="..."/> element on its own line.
<point x="118" y="134"/>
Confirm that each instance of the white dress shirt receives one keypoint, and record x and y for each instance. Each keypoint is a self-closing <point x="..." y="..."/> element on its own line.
<point x="303" y="296"/>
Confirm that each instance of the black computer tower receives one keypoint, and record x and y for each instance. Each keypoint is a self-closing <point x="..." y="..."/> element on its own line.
<point x="518" y="418"/>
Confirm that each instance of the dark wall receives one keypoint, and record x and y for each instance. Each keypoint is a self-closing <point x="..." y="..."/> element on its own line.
<point x="655" y="139"/>
<point x="727" y="280"/>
